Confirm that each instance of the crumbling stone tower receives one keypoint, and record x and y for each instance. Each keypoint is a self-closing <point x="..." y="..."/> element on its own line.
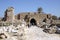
<point x="9" y="14"/>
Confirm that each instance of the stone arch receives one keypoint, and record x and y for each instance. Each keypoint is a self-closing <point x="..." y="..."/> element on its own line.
<point x="33" y="21"/>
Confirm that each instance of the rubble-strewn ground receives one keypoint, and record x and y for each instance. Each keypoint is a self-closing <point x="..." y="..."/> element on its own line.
<point x="35" y="33"/>
<point x="31" y="33"/>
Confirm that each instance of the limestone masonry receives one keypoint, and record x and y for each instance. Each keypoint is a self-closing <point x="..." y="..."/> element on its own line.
<point x="32" y="18"/>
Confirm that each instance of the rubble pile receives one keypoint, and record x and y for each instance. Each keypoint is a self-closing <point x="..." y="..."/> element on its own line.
<point x="23" y="32"/>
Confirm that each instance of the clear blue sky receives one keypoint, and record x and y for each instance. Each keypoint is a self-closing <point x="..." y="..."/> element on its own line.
<point x="49" y="6"/>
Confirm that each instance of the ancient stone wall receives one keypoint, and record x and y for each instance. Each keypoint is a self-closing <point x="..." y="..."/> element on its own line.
<point x="27" y="16"/>
<point x="33" y="15"/>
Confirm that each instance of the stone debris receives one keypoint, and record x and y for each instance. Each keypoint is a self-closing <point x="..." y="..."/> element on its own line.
<point x="28" y="26"/>
<point x="22" y="32"/>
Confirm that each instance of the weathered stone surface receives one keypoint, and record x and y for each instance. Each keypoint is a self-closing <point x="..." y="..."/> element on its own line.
<point x="27" y="16"/>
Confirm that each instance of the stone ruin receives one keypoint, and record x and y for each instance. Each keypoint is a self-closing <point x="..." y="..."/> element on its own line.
<point x="14" y="26"/>
<point x="31" y="18"/>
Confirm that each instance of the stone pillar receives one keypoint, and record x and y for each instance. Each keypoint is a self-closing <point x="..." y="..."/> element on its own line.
<point x="9" y="14"/>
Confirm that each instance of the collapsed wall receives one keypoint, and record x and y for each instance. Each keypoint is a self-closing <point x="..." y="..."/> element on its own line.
<point x="31" y="33"/>
<point x="39" y="17"/>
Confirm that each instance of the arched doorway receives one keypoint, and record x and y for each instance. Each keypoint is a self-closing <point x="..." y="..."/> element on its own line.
<point x="33" y="21"/>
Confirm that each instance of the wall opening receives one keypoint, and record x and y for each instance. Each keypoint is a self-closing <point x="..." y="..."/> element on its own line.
<point x="33" y="21"/>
